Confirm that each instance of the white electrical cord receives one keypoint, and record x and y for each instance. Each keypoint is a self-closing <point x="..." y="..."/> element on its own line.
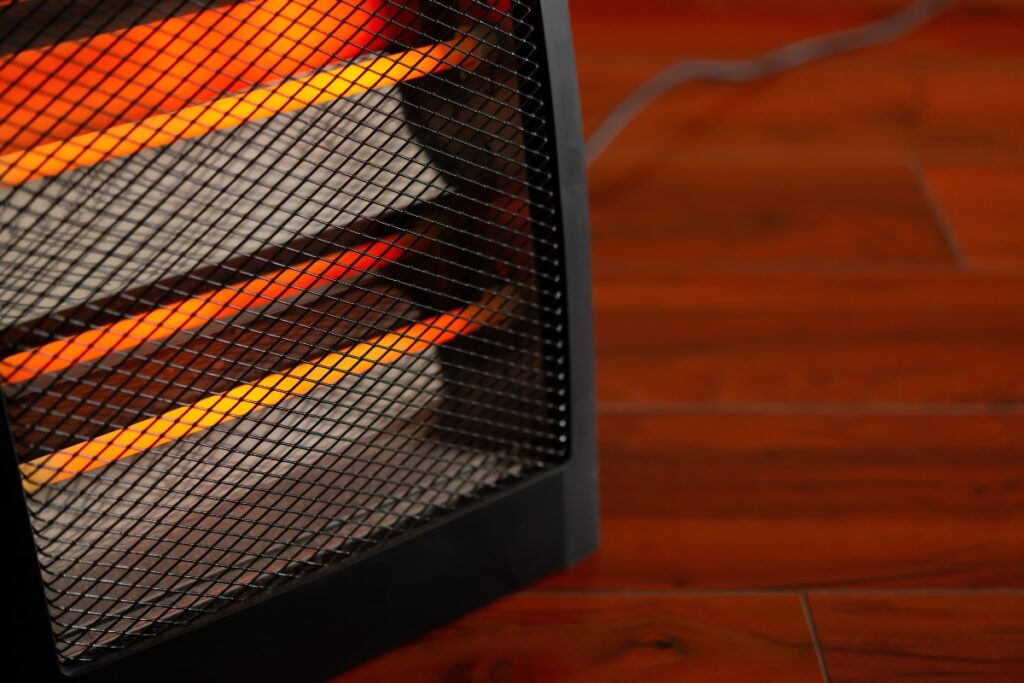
<point x="782" y="59"/>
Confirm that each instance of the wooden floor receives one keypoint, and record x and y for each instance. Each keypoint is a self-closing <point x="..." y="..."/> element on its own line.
<point x="810" y="331"/>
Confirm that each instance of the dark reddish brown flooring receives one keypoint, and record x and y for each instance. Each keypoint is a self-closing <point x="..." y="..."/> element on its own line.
<point x="810" y="331"/>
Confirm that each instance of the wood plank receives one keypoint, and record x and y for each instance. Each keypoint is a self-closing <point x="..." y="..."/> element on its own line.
<point x="820" y="466"/>
<point x="854" y="338"/>
<point x="938" y="112"/>
<point x="925" y="639"/>
<point x="776" y="501"/>
<point x="985" y="209"/>
<point x="955" y="87"/>
<point x="743" y="28"/>
<point x="597" y="638"/>
<point x="668" y="212"/>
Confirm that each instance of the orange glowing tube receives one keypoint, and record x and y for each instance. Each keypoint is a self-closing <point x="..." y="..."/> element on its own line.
<point x="156" y="131"/>
<point x="189" y="314"/>
<point x="244" y="399"/>
<point x="75" y="86"/>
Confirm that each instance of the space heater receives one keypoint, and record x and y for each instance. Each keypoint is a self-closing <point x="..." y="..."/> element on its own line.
<point x="296" y="354"/>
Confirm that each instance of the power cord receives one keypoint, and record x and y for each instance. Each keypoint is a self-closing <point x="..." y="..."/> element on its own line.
<point x="783" y="59"/>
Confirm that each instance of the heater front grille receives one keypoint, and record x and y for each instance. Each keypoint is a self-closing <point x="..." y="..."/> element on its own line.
<point x="280" y="281"/>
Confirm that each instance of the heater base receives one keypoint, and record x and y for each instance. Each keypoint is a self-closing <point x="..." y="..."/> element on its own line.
<point x="329" y="622"/>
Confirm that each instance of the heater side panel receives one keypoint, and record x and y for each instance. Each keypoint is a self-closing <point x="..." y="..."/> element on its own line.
<point x="581" y="471"/>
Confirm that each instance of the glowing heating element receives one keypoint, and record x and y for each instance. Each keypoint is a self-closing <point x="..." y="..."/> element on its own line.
<point x="247" y="398"/>
<point x="61" y="90"/>
<point x="52" y="158"/>
<point x="163" y="322"/>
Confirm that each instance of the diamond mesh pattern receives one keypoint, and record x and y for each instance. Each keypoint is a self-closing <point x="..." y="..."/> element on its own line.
<point x="279" y="281"/>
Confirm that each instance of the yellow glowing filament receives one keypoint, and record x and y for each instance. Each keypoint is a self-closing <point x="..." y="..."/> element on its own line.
<point x="244" y="399"/>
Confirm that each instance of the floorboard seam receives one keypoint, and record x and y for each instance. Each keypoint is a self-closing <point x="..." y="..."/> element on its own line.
<point x="939" y="215"/>
<point x="805" y="602"/>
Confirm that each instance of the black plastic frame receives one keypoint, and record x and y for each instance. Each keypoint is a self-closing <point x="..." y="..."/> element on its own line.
<point x="318" y="626"/>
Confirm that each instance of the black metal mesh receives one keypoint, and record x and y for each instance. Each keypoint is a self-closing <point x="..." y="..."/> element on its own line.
<point x="280" y="281"/>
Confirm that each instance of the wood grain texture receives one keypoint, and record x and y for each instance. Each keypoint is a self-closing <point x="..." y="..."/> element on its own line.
<point x="870" y="339"/>
<point x="796" y="501"/>
<point x="925" y="639"/>
<point x="825" y="465"/>
<point x="951" y="88"/>
<point x="763" y="210"/>
<point x="985" y="209"/>
<point x="939" y="114"/>
<point x="606" y="639"/>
